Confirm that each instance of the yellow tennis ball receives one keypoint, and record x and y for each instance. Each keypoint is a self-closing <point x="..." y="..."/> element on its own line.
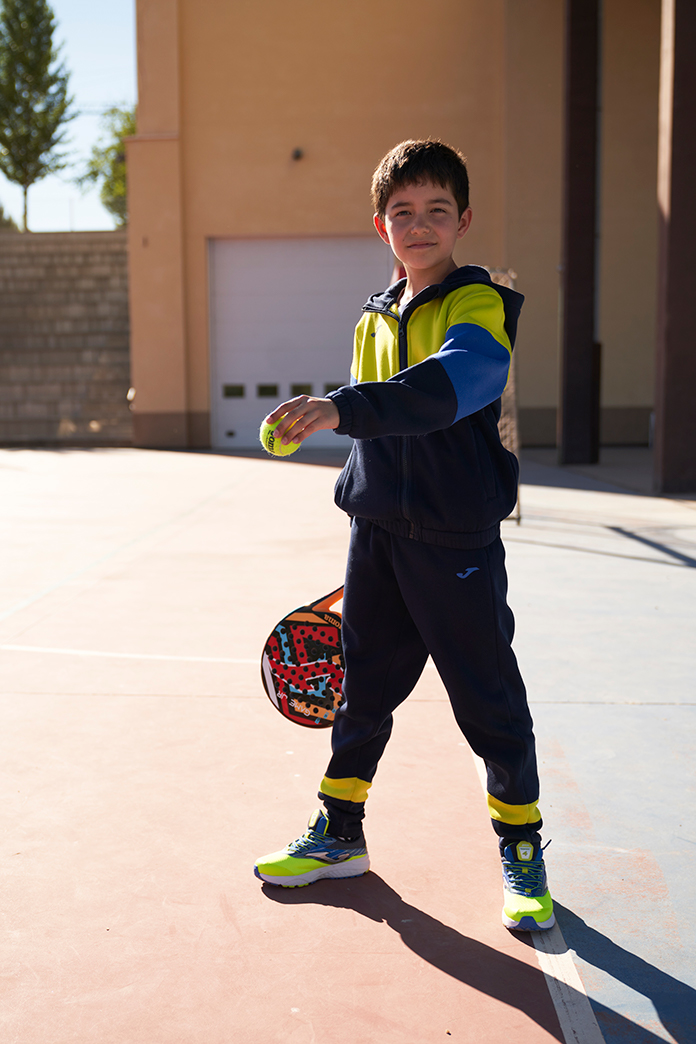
<point x="274" y="445"/>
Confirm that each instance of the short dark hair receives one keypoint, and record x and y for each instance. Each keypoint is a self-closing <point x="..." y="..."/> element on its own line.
<point x="413" y="162"/>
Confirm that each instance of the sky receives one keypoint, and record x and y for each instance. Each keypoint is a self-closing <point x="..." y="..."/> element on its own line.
<point x="98" y="38"/>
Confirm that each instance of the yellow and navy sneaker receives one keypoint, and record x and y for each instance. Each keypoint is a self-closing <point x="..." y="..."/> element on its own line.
<point x="527" y="905"/>
<point x="314" y="855"/>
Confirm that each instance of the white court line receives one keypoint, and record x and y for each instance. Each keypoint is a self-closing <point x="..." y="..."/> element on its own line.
<point x="122" y="655"/>
<point x="575" y="1015"/>
<point x="135" y="656"/>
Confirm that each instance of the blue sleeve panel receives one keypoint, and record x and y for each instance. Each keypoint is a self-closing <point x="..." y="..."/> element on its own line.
<point x="477" y="366"/>
<point x="467" y="373"/>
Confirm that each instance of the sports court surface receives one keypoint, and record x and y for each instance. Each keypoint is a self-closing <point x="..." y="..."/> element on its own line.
<point x="143" y="770"/>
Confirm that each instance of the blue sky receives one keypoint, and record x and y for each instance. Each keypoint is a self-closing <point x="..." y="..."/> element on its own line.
<point x="98" y="38"/>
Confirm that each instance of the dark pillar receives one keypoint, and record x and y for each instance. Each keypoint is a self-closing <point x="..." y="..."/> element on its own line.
<point x="578" y="415"/>
<point x="675" y="391"/>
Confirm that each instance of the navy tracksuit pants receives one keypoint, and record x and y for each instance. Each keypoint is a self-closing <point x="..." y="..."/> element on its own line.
<point x="403" y="600"/>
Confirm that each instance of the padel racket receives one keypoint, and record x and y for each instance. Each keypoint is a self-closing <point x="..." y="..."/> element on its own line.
<point x="302" y="664"/>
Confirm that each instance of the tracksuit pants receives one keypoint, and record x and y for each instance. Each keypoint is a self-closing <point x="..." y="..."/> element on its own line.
<point x="403" y="600"/>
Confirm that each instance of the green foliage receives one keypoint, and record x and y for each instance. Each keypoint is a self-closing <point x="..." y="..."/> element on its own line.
<point x="107" y="164"/>
<point x="34" y="102"/>
<point x="7" y="223"/>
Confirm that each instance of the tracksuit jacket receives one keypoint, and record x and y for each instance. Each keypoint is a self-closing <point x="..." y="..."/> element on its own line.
<point x="427" y="485"/>
<point x="423" y="407"/>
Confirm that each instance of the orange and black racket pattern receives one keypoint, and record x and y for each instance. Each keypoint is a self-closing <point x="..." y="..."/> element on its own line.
<point x="302" y="664"/>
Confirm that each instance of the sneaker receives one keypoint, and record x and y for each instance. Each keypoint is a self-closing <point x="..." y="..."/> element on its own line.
<point x="314" y="855"/>
<point x="527" y="906"/>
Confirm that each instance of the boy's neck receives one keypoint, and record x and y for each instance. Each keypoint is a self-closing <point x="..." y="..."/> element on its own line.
<point x="417" y="279"/>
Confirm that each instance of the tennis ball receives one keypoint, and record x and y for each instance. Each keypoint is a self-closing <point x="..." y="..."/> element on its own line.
<point x="272" y="444"/>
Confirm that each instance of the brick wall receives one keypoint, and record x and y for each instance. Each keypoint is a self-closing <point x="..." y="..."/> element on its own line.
<point x="64" y="339"/>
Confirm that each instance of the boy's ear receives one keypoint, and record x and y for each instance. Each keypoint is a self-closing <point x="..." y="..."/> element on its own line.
<point x="382" y="228"/>
<point x="464" y="223"/>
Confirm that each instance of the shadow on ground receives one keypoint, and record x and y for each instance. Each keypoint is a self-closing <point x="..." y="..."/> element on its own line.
<point x="674" y="1001"/>
<point x="472" y="962"/>
<point x="503" y="977"/>
<point x="626" y="470"/>
<point x="322" y="457"/>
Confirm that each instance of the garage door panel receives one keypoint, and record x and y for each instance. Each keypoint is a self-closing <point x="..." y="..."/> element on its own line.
<point x="283" y="312"/>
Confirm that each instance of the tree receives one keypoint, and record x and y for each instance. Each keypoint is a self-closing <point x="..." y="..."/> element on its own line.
<point x="108" y="163"/>
<point x="34" y="101"/>
<point x="7" y="222"/>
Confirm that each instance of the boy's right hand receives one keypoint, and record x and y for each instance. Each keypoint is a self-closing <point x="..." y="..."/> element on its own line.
<point x="304" y="415"/>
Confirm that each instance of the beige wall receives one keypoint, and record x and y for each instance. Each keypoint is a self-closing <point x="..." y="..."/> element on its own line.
<point x="159" y="347"/>
<point x="260" y="80"/>
<point x="229" y="90"/>
<point x="533" y="132"/>
<point x="628" y="213"/>
<point x="255" y="81"/>
<point x="628" y="256"/>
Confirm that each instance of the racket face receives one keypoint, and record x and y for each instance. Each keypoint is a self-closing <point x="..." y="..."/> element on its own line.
<point x="302" y="667"/>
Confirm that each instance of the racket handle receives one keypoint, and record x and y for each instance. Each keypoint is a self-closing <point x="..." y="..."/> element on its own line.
<point x="322" y="604"/>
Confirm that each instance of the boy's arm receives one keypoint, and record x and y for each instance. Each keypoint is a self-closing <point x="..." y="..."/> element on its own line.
<point x="469" y="371"/>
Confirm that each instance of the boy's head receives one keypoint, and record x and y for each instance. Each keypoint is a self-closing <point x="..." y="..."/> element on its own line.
<point x="416" y="162"/>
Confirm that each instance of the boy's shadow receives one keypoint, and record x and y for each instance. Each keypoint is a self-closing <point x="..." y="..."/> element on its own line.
<point x="498" y="975"/>
<point x="674" y="1001"/>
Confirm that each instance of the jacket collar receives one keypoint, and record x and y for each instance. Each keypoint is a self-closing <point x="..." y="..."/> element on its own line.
<point x="465" y="276"/>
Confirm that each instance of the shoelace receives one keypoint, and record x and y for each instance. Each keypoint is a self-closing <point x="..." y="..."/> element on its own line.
<point x="308" y="840"/>
<point x="525" y="877"/>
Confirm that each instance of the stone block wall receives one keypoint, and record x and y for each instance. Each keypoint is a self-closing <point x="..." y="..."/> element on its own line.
<point x="64" y="339"/>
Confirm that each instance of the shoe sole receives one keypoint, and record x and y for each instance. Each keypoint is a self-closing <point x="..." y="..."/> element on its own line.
<point x="528" y="924"/>
<point x="351" y="868"/>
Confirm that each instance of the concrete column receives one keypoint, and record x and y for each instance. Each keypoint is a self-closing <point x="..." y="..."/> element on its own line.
<point x="158" y="330"/>
<point x="675" y="392"/>
<point x="578" y="418"/>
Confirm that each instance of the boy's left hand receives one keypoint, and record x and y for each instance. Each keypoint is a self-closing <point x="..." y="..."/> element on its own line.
<point x="305" y="415"/>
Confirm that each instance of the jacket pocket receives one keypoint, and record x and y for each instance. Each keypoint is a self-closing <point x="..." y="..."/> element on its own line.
<point x="485" y="464"/>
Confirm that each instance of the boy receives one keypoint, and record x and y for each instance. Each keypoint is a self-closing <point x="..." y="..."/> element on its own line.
<point x="426" y="485"/>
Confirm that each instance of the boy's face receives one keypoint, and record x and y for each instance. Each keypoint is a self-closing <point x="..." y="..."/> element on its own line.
<point x="422" y="225"/>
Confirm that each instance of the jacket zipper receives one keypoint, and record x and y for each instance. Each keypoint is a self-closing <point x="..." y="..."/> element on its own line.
<point x="402" y="321"/>
<point x="403" y="443"/>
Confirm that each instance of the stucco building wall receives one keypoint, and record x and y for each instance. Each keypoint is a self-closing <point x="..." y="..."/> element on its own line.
<point x="629" y="214"/>
<point x="229" y="91"/>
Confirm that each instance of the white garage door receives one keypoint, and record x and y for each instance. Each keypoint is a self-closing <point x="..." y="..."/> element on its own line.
<point x="283" y="312"/>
